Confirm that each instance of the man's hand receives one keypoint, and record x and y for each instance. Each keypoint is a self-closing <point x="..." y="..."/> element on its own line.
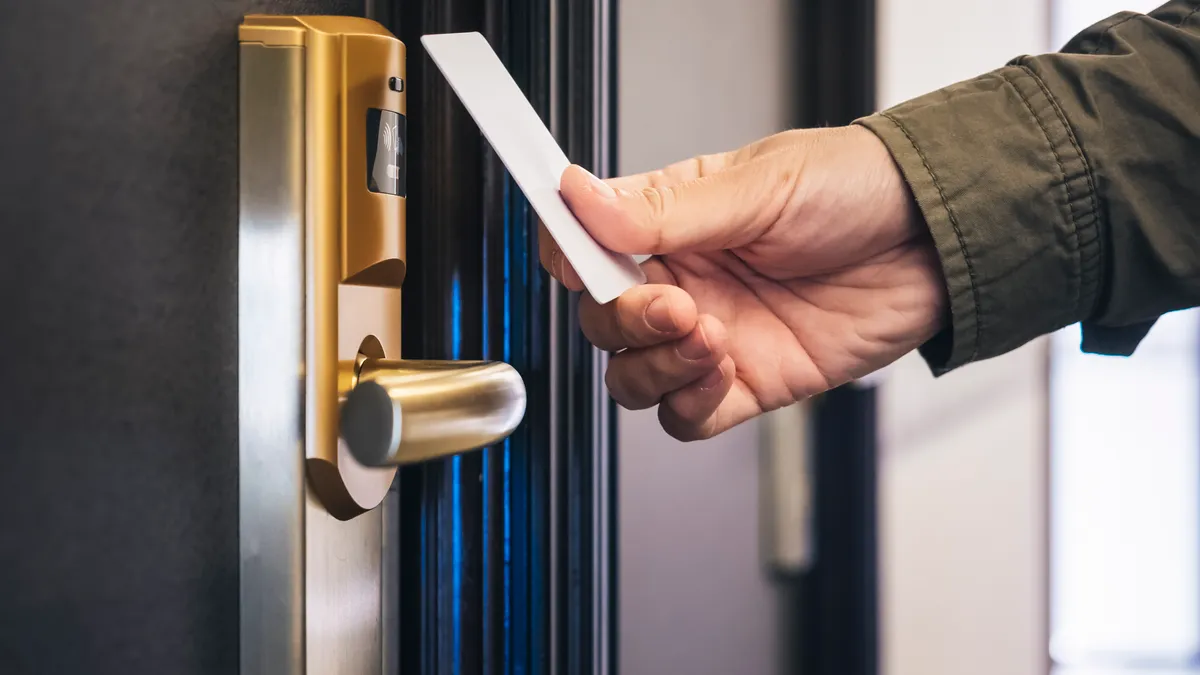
<point x="781" y="270"/>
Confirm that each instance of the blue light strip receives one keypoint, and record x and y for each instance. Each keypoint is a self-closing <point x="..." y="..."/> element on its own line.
<point x="457" y="561"/>
<point x="455" y="317"/>
<point x="484" y="478"/>
<point x="427" y="600"/>
<point x="507" y="444"/>
<point x="507" y="277"/>
<point x="455" y="490"/>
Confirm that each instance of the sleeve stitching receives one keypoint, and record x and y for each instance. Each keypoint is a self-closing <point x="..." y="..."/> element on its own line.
<point x="1106" y="39"/>
<point x="1078" y="290"/>
<point x="1189" y="15"/>
<point x="1088" y="172"/>
<point x="962" y="247"/>
<point x="1110" y="38"/>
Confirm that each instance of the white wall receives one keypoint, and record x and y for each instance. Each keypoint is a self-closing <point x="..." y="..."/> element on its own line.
<point x="696" y="76"/>
<point x="962" y="502"/>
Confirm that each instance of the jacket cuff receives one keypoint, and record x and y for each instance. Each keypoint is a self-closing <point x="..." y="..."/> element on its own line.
<point x="1010" y="201"/>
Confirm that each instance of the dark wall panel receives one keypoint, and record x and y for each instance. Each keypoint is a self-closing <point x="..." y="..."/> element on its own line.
<point x="118" y="345"/>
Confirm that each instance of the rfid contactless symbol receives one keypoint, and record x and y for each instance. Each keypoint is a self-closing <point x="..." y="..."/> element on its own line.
<point x="385" y="152"/>
<point x="391" y="137"/>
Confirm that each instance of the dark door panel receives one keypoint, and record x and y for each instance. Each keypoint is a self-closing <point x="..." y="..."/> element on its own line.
<point x="504" y="552"/>
<point x="118" y="344"/>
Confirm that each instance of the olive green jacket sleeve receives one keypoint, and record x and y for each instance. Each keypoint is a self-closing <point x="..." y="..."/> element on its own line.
<point x="1063" y="188"/>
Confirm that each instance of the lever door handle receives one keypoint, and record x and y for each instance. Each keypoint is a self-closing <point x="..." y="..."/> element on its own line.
<point x="400" y="412"/>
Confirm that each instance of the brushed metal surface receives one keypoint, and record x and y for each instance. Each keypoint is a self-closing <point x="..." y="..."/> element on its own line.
<point x="389" y="624"/>
<point x="343" y="591"/>
<point x="311" y="585"/>
<point x="270" y="358"/>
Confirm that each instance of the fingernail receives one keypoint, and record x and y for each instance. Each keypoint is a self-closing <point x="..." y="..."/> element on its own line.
<point x="712" y="379"/>
<point x="556" y="269"/>
<point x="600" y="187"/>
<point x="695" y="346"/>
<point x="658" y="316"/>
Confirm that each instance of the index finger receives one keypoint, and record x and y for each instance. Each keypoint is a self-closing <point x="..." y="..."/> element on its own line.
<point x="642" y="316"/>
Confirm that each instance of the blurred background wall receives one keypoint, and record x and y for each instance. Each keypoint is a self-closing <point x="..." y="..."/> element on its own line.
<point x="962" y="460"/>
<point x="1038" y="513"/>
<point x="695" y="76"/>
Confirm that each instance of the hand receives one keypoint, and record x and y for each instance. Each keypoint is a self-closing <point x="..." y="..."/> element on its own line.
<point x="780" y="270"/>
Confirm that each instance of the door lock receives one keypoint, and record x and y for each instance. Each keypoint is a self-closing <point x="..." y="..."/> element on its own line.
<point x="366" y="409"/>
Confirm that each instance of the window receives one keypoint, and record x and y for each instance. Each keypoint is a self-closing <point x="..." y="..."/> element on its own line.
<point x="1125" y="500"/>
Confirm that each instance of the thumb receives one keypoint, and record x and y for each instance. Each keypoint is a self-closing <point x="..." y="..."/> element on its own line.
<point x="726" y="209"/>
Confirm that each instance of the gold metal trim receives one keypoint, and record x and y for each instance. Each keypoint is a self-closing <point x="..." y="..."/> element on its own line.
<point x="321" y="262"/>
<point x="312" y="596"/>
<point x="353" y="236"/>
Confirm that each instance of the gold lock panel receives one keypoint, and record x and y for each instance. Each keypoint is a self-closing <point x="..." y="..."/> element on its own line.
<point x="354" y="132"/>
<point x="321" y="258"/>
<point x="353" y="236"/>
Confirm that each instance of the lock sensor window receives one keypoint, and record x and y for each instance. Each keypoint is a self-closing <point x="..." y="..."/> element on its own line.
<point x="386" y="138"/>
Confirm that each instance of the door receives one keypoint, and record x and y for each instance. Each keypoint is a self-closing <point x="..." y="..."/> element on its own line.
<point x="120" y="548"/>
<point x="509" y="549"/>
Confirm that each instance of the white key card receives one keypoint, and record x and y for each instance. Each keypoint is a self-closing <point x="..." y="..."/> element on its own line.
<point x="531" y="154"/>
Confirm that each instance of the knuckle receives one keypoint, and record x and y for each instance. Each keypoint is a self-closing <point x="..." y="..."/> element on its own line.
<point x="626" y="388"/>
<point x="595" y="333"/>
<point x="673" y="370"/>
<point x="659" y="202"/>
<point x="616" y="389"/>
<point x="707" y="165"/>
<point x="679" y="426"/>
<point x="596" y="322"/>
<point x="627" y="329"/>
<point x="629" y="313"/>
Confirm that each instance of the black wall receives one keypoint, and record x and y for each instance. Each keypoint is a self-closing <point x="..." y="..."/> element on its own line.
<point x="118" y="341"/>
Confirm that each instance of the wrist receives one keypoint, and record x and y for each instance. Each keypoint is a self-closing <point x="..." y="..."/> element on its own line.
<point x="899" y="214"/>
